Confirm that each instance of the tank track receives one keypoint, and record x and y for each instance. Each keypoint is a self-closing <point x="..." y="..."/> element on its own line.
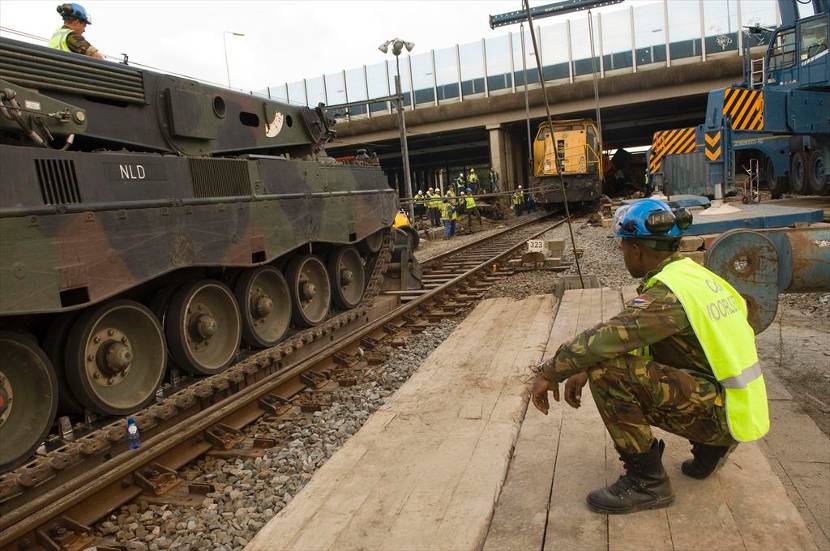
<point x="16" y="483"/>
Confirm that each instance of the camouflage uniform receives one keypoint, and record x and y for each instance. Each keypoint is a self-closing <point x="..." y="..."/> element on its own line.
<point x="79" y="45"/>
<point x="646" y="367"/>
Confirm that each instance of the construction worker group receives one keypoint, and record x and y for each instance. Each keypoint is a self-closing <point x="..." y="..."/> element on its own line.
<point x="445" y="210"/>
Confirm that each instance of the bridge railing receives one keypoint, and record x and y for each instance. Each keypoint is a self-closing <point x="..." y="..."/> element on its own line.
<point x="631" y="39"/>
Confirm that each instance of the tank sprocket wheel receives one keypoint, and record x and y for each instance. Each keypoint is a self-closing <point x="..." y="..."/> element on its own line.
<point x="28" y="398"/>
<point x="203" y="327"/>
<point x="308" y="282"/>
<point x="115" y="357"/>
<point x="264" y="304"/>
<point x="348" y="277"/>
<point x="372" y="243"/>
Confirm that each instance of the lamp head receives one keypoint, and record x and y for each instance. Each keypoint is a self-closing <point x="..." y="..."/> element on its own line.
<point x="384" y="47"/>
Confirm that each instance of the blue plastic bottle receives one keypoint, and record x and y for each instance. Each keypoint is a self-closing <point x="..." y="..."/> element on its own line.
<point x="133" y="435"/>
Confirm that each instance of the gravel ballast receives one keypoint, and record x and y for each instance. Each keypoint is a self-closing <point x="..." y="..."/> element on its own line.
<point x="249" y="491"/>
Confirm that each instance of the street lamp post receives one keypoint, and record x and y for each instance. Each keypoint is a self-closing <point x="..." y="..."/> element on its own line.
<point x="397" y="47"/>
<point x="225" y="44"/>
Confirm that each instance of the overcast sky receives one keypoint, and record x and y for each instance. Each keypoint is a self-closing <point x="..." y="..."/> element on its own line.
<point x="284" y="41"/>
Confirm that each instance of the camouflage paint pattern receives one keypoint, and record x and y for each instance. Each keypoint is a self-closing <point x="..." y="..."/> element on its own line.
<point x="126" y="232"/>
<point x="633" y="394"/>
<point x="140" y="195"/>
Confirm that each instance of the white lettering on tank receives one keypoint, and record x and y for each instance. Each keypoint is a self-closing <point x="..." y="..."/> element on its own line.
<point x="132" y="172"/>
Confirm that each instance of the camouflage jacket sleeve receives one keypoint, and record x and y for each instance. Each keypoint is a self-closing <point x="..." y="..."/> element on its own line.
<point x="649" y="318"/>
<point x="78" y="44"/>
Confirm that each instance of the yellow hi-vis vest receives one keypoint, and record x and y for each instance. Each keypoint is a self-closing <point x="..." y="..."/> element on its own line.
<point x="471" y="202"/>
<point x="444" y="208"/>
<point x="58" y="40"/>
<point x="718" y="316"/>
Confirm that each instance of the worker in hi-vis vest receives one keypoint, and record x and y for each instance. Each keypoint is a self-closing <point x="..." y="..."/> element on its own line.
<point x="681" y="356"/>
<point x="70" y="37"/>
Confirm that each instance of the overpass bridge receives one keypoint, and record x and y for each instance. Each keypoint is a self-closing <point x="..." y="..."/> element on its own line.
<point x="465" y="104"/>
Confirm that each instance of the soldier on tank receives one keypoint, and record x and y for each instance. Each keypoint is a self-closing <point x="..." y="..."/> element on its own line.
<point x="681" y="356"/>
<point x="70" y="37"/>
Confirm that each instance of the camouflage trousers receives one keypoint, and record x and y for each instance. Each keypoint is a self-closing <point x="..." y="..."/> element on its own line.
<point x="633" y="394"/>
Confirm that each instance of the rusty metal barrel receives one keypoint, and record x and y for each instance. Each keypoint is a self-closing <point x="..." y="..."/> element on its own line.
<point x="761" y="264"/>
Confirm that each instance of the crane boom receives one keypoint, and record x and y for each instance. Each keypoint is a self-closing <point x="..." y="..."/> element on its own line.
<point x="548" y="10"/>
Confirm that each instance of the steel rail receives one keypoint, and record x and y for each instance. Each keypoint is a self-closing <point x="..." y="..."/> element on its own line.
<point x="51" y="505"/>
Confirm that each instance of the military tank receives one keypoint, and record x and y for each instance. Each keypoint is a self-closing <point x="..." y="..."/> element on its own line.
<point x="149" y="221"/>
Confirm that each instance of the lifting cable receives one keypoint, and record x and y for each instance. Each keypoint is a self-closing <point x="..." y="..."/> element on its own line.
<point x="559" y="167"/>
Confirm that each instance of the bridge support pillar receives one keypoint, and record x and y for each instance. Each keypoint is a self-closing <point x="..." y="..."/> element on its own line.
<point x="498" y="155"/>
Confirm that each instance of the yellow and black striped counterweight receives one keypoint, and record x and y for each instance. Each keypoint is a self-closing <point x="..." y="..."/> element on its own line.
<point x="670" y="142"/>
<point x="744" y="107"/>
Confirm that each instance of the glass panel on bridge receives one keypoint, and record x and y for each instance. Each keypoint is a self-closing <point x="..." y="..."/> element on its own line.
<point x="336" y="88"/>
<point x="649" y="34"/>
<point x="406" y="84"/>
<point x="581" y="46"/>
<point x="471" y="57"/>
<point x="684" y="29"/>
<point x="422" y="76"/>
<point x="296" y="93"/>
<point x="616" y="40"/>
<point x="555" y="52"/>
<point x="447" y="73"/>
<point x="356" y="90"/>
<point x="277" y="93"/>
<point x="378" y="86"/>
<point x="530" y="59"/>
<point x="316" y="93"/>
<point x="720" y="23"/>
<point x="498" y="63"/>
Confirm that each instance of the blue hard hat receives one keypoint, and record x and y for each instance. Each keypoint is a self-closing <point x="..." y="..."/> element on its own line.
<point x="76" y="11"/>
<point x="469" y="190"/>
<point x="650" y="219"/>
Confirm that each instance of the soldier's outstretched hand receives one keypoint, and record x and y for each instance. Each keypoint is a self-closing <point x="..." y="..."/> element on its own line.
<point x="573" y="389"/>
<point x="539" y="393"/>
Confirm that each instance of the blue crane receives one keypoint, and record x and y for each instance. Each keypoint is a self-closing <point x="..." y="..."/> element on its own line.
<point x="789" y="95"/>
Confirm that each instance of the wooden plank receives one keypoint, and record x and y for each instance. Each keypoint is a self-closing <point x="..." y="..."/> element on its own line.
<point x="765" y="517"/>
<point x="521" y="514"/>
<point x="628" y="293"/>
<point x="436" y="458"/>
<point x="580" y="462"/>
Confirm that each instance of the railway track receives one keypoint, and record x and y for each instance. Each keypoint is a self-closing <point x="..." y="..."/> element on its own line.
<point x="51" y="502"/>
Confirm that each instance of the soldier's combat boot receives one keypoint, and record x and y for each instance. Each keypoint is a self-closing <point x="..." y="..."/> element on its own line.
<point x="706" y="459"/>
<point x="645" y="485"/>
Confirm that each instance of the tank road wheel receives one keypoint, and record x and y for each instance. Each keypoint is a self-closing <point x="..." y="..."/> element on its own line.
<point x="777" y="186"/>
<point x="348" y="277"/>
<point x="28" y="398"/>
<point x="308" y="282"/>
<point x="817" y="175"/>
<point x="54" y="344"/>
<point x="798" y="173"/>
<point x="115" y="357"/>
<point x="373" y="243"/>
<point x="203" y="327"/>
<point x="265" y="305"/>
